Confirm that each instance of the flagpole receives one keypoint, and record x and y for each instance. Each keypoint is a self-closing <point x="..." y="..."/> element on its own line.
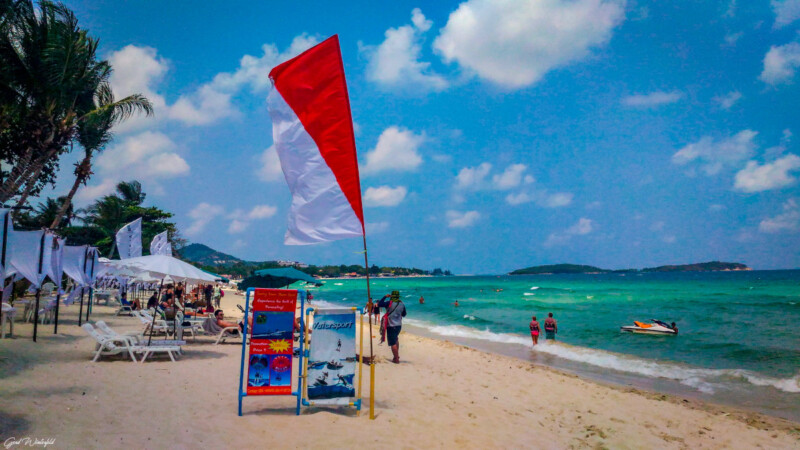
<point x="371" y="355"/>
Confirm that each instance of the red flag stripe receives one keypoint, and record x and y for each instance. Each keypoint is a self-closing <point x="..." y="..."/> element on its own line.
<point x="313" y="85"/>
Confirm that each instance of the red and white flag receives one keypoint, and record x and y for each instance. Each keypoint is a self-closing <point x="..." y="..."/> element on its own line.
<point x="312" y="130"/>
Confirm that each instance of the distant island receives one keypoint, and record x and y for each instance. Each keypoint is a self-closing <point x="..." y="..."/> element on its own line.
<point x="214" y="261"/>
<point x="711" y="266"/>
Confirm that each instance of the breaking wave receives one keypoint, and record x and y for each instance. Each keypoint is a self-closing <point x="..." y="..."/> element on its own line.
<point x="704" y="380"/>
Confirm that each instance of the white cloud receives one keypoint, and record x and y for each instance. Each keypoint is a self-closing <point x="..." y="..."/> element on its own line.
<point x="262" y="212"/>
<point x="205" y="213"/>
<point x="141" y="70"/>
<point x="446" y="242"/>
<point x="201" y="215"/>
<point x="395" y="63"/>
<point x="384" y="195"/>
<point x="457" y="219"/>
<point x="518" y="198"/>
<point x="377" y="227"/>
<point x="137" y="70"/>
<point x="582" y="227"/>
<point x="780" y="64"/>
<point x="669" y="239"/>
<point x="148" y="156"/>
<point x="237" y="226"/>
<point x="728" y="100"/>
<point x="716" y="207"/>
<point x="555" y="200"/>
<point x="657" y="226"/>
<point x="757" y="177"/>
<point x="472" y="177"/>
<point x="786" y="12"/>
<point x="652" y="99"/>
<point x="253" y="72"/>
<point x="733" y="38"/>
<point x="542" y="198"/>
<point x="205" y="106"/>
<point x="515" y="43"/>
<point x="396" y="150"/>
<point x="789" y="220"/>
<point x="87" y="194"/>
<point x="270" y="169"/>
<point x="716" y="155"/>
<point x="510" y="178"/>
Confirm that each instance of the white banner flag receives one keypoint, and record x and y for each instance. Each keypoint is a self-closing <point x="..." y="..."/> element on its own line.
<point x="160" y="245"/>
<point x="129" y="240"/>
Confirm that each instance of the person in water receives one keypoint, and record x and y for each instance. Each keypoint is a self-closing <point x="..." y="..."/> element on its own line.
<point x="550" y="327"/>
<point x="534" y="330"/>
<point x="674" y="327"/>
<point x="421" y="300"/>
<point x="455" y="303"/>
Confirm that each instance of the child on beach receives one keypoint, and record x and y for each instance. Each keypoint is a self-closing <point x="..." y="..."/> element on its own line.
<point x="534" y="330"/>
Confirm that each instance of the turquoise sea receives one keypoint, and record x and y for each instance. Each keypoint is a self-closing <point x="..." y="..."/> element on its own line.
<point x="739" y="340"/>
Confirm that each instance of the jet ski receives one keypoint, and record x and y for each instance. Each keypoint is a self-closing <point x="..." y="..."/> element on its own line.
<point x="657" y="327"/>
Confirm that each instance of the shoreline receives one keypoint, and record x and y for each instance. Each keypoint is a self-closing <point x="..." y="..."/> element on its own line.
<point x="444" y="394"/>
<point x="676" y="393"/>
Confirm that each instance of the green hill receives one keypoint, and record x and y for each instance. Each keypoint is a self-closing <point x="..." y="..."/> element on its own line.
<point x="712" y="266"/>
<point x="207" y="256"/>
<point x="558" y="268"/>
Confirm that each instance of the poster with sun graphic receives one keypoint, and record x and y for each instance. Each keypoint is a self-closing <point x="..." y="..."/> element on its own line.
<point x="332" y="357"/>
<point x="270" y="362"/>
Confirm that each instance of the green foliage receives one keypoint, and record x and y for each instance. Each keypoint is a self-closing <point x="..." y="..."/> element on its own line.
<point x="558" y="268"/>
<point x="54" y="92"/>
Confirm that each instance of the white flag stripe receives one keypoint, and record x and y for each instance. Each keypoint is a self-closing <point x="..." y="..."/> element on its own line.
<point x="320" y="211"/>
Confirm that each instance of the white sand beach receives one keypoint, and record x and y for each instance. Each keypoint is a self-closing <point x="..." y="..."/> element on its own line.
<point x="441" y="396"/>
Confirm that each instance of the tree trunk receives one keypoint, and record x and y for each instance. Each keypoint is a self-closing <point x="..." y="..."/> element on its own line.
<point x="29" y="186"/>
<point x="82" y="173"/>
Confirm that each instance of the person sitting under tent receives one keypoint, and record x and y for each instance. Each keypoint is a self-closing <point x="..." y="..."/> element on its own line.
<point x="134" y="305"/>
<point x="152" y="302"/>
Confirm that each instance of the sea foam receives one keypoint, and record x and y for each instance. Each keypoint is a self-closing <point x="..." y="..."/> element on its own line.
<point x="704" y="380"/>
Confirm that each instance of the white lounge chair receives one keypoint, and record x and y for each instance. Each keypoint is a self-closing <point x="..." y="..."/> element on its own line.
<point x="9" y="314"/>
<point x="211" y="327"/>
<point x="159" y="326"/>
<point x="133" y="338"/>
<point x="120" y="344"/>
<point x="107" y="346"/>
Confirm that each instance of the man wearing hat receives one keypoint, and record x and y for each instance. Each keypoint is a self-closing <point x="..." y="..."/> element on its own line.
<point x="395" y="311"/>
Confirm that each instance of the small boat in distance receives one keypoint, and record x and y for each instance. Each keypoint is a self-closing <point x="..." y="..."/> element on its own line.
<point x="657" y="327"/>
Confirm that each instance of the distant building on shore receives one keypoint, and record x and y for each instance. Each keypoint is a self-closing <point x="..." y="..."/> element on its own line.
<point x="283" y="263"/>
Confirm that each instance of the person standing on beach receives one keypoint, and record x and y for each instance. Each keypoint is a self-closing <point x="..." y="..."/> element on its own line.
<point x="395" y="311"/>
<point x="550" y="327"/>
<point x="534" y="330"/>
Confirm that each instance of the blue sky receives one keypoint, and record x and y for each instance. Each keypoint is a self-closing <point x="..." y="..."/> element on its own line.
<point x="492" y="135"/>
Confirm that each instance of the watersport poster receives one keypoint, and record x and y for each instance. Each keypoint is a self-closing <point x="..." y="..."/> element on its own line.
<point x="332" y="358"/>
<point x="270" y="361"/>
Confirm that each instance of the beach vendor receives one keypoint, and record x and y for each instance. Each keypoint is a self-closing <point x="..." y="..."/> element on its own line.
<point x="534" y="325"/>
<point x="550" y="327"/>
<point x="393" y="322"/>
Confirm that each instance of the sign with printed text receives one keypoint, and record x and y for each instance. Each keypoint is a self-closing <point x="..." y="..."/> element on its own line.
<point x="332" y="357"/>
<point x="271" y="331"/>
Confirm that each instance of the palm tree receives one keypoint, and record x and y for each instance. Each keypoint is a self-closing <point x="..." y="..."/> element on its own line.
<point x="108" y="215"/>
<point x="131" y="192"/>
<point x="51" y="87"/>
<point x="95" y="133"/>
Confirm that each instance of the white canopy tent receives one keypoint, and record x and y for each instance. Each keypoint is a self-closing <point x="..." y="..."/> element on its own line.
<point x="161" y="266"/>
